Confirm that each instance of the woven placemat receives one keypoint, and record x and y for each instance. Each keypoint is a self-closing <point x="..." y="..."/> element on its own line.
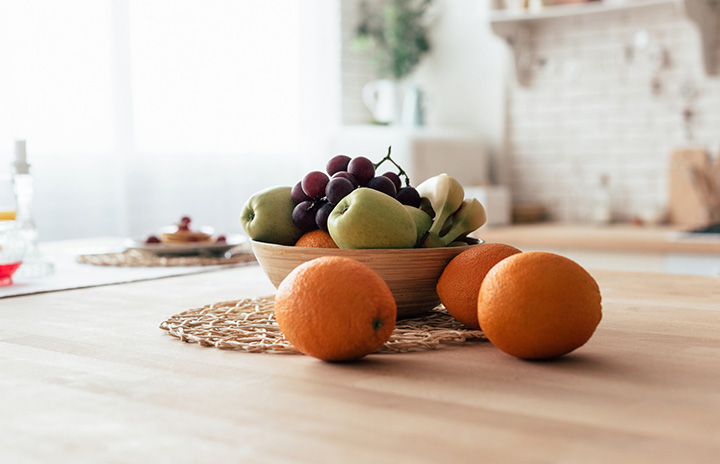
<point x="139" y="258"/>
<point x="249" y="325"/>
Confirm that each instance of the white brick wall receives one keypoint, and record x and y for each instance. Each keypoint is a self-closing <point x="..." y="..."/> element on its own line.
<point x="590" y="110"/>
<point x="356" y="68"/>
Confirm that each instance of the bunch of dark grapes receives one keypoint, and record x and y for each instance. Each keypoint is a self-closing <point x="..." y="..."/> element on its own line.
<point x="317" y="193"/>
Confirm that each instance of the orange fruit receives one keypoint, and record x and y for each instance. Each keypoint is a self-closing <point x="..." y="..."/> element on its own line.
<point x="335" y="309"/>
<point x="538" y="305"/>
<point x="459" y="283"/>
<point x="316" y="239"/>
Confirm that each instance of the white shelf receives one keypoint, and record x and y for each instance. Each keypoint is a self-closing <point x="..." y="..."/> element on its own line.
<point x="515" y="26"/>
<point x="573" y="10"/>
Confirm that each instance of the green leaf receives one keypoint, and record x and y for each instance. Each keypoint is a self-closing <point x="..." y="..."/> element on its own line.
<point x="395" y="33"/>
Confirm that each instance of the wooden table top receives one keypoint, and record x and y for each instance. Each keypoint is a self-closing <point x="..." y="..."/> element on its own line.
<point x="87" y="376"/>
<point x="613" y="237"/>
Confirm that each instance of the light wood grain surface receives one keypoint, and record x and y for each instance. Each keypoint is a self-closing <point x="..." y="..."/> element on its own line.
<point x="87" y="376"/>
<point x="614" y="237"/>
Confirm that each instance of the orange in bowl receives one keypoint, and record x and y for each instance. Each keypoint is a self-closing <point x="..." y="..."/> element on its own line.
<point x="316" y="239"/>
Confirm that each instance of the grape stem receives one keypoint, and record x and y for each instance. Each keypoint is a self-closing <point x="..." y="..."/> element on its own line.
<point x="401" y="171"/>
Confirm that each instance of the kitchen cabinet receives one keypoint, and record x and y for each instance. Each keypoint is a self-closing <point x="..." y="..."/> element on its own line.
<point x="515" y="26"/>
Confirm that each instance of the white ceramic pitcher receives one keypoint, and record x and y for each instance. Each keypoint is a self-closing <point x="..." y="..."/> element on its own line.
<point x="383" y="98"/>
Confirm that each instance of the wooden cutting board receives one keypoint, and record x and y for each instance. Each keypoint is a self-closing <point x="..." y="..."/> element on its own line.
<point x="687" y="203"/>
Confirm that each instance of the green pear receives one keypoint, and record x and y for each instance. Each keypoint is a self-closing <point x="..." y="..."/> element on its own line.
<point x="368" y="218"/>
<point x="267" y="217"/>
<point x="423" y="222"/>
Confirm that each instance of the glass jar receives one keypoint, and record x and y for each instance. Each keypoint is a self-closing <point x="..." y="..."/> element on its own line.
<point x="12" y="250"/>
<point x="12" y="241"/>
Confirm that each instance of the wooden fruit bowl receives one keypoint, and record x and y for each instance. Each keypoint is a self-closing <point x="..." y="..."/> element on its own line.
<point x="411" y="273"/>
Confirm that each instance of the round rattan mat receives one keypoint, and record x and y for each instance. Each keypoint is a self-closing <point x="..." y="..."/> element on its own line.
<point x="139" y="258"/>
<point x="249" y="325"/>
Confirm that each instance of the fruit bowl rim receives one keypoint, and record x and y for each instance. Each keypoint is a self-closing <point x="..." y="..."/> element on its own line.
<point x="366" y="250"/>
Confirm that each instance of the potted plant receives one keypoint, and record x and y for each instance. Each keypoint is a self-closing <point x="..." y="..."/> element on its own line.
<point x="395" y="34"/>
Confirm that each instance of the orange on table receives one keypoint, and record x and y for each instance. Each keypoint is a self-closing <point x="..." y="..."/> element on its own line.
<point x="459" y="283"/>
<point x="335" y="309"/>
<point x="316" y="239"/>
<point x="538" y="305"/>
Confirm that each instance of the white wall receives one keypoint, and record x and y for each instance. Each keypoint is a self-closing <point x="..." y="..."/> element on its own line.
<point x="601" y="102"/>
<point x="464" y="74"/>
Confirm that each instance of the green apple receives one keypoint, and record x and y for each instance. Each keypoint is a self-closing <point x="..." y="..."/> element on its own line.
<point x="423" y="222"/>
<point x="368" y="218"/>
<point x="267" y="217"/>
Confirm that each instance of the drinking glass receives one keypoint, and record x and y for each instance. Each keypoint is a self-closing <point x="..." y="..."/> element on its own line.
<point x="12" y="241"/>
<point x="12" y="250"/>
<point x="8" y="202"/>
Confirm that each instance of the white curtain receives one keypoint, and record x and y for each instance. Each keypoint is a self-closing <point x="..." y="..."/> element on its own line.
<point x="137" y="112"/>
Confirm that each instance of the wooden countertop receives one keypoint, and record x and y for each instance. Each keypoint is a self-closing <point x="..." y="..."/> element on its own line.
<point x="87" y="376"/>
<point x="615" y="237"/>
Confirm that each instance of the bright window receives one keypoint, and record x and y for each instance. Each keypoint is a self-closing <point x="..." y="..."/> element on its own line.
<point x="123" y="101"/>
<point x="56" y="83"/>
<point x="217" y="76"/>
<point x="172" y="76"/>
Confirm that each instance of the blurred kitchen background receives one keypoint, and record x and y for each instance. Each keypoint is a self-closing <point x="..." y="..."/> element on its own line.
<point x="137" y="112"/>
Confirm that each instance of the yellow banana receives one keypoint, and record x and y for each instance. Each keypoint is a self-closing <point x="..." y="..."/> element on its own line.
<point x="445" y="194"/>
<point x="432" y="240"/>
<point x="469" y="217"/>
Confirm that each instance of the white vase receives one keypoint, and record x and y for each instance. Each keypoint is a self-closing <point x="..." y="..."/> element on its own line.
<point x="413" y="113"/>
<point x="384" y="99"/>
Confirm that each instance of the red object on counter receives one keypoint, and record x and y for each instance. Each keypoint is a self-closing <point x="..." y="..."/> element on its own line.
<point x="6" y="272"/>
